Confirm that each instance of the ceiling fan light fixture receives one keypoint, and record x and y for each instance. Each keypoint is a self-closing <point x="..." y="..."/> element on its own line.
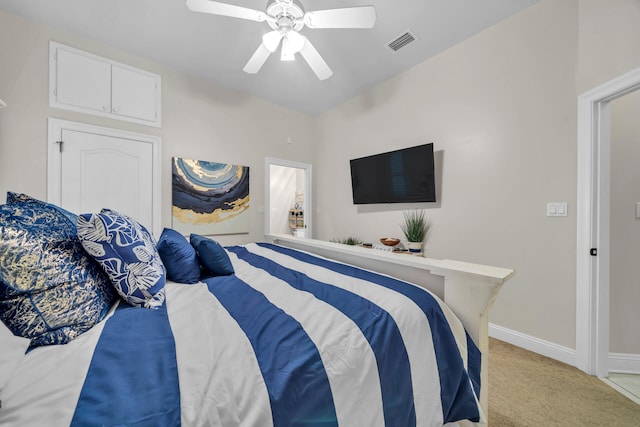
<point x="287" y="53"/>
<point x="271" y="40"/>
<point x="292" y="43"/>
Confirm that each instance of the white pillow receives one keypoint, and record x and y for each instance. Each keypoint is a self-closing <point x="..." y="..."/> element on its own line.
<point x="13" y="349"/>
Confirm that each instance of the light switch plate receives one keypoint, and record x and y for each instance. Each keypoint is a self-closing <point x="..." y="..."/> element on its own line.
<point x="557" y="209"/>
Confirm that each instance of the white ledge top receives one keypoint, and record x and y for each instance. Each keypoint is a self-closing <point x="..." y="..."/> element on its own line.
<point x="442" y="267"/>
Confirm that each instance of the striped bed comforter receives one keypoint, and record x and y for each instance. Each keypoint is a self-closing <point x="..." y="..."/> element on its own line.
<point x="290" y="339"/>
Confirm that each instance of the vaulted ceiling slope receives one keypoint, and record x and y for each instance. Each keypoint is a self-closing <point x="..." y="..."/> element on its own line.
<point x="217" y="48"/>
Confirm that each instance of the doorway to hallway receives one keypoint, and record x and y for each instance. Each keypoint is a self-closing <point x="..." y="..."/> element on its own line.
<point x="594" y="224"/>
<point x="288" y="202"/>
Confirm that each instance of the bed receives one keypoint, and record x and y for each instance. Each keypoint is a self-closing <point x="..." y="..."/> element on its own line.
<point x="250" y="335"/>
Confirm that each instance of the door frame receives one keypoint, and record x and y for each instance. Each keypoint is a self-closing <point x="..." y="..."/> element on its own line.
<point x="593" y="215"/>
<point x="54" y="172"/>
<point x="307" y="206"/>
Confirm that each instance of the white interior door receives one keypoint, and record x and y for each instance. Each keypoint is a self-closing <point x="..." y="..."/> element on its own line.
<point x="91" y="168"/>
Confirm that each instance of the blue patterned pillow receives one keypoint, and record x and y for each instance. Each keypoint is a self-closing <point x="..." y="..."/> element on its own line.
<point x="17" y="198"/>
<point x="212" y="255"/>
<point x="127" y="253"/>
<point x="178" y="257"/>
<point x="51" y="291"/>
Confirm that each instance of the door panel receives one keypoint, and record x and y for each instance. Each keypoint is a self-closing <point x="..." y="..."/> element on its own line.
<point x="97" y="167"/>
<point x="106" y="172"/>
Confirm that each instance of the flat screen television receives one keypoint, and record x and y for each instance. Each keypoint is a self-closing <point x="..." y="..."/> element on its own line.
<point x="400" y="176"/>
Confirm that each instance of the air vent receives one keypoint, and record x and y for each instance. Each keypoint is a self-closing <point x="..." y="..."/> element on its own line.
<point x="402" y="40"/>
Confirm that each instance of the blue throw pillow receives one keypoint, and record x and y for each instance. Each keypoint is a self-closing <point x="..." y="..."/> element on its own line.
<point x="51" y="291"/>
<point x="178" y="257"/>
<point x="127" y="253"/>
<point x="212" y="256"/>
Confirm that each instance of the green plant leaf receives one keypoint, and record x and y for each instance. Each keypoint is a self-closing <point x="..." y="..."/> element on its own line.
<point x="415" y="225"/>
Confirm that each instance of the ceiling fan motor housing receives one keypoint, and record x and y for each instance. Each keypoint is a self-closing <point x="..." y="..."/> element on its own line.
<point x="286" y="16"/>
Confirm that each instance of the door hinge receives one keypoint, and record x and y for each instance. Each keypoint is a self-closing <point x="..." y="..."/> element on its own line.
<point x="594" y="252"/>
<point x="60" y="144"/>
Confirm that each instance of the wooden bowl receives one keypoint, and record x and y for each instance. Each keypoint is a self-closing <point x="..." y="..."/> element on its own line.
<point x="389" y="241"/>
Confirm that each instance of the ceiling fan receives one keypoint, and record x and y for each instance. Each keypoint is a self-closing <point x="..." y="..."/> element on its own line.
<point x="286" y="19"/>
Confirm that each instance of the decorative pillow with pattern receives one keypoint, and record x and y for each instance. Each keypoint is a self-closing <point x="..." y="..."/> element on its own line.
<point x="127" y="253"/>
<point x="17" y="198"/>
<point x="51" y="291"/>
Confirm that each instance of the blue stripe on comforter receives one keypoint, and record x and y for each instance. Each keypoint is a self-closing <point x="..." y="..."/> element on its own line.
<point x="377" y="326"/>
<point x="133" y="376"/>
<point x="457" y="396"/>
<point x="291" y="366"/>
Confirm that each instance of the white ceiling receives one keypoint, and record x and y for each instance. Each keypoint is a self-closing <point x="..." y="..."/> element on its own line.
<point x="217" y="47"/>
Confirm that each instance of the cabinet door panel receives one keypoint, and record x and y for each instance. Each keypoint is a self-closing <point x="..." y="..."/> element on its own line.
<point x="83" y="81"/>
<point x="134" y="94"/>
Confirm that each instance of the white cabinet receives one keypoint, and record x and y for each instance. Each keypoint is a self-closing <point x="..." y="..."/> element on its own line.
<point x="86" y="83"/>
<point x="82" y="82"/>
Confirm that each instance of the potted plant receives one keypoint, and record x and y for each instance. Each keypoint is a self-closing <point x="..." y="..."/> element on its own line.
<point x="351" y="241"/>
<point x="415" y="228"/>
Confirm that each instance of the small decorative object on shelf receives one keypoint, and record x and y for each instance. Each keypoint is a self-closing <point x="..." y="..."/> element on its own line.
<point x="382" y="248"/>
<point x="389" y="241"/>
<point x="400" y="250"/>
<point x="415" y="228"/>
<point x="296" y="218"/>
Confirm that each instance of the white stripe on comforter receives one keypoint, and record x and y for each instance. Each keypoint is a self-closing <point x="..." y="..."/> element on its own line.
<point x="409" y="318"/>
<point x="339" y="341"/>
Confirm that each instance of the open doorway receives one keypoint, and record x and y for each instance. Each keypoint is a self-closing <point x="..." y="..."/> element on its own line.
<point x="594" y="222"/>
<point x="288" y="198"/>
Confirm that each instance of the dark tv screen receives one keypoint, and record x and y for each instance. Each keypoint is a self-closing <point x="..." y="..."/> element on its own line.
<point x="400" y="176"/>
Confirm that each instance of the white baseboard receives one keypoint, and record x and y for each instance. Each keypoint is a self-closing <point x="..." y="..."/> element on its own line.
<point x="537" y="345"/>
<point x="618" y="362"/>
<point x="624" y="363"/>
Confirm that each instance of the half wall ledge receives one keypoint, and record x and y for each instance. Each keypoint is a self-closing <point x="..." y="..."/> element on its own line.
<point x="468" y="289"/>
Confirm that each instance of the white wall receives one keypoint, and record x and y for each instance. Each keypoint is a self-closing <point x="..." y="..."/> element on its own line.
<point x="500" y="109"/>
<point x="625" y="227"/>
<point x="200" y="120"/>
<point x="608" y="34"/>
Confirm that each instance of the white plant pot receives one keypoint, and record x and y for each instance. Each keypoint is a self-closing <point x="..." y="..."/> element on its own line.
<point x="415" y="247"/>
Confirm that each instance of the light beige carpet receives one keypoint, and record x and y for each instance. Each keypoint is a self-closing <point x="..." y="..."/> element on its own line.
<point x="526" y="389"/>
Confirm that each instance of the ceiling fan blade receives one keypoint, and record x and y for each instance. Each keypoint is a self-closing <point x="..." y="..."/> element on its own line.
<point x="257" y="60"/>
<point x="315" y="61"/>
<point x="224" y="9"/>
<point x="348" y="17"/>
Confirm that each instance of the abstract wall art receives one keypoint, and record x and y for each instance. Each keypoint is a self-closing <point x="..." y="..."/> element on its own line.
<point x="209" y="197"/>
